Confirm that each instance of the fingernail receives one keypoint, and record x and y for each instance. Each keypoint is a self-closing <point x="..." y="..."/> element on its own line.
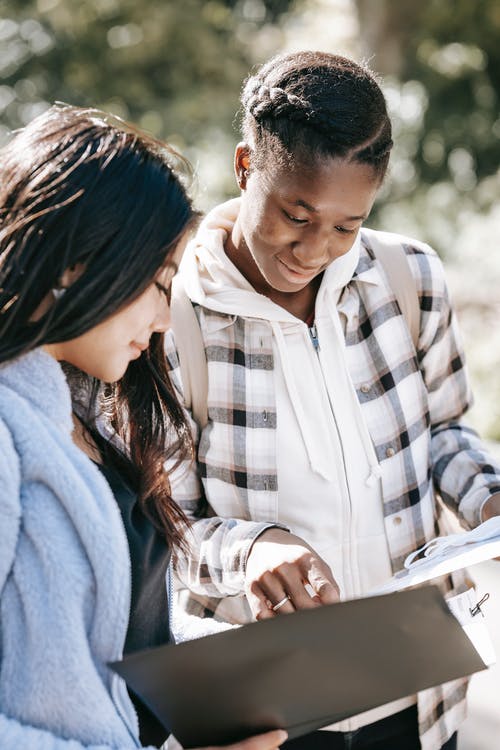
<point x="283" y="735"/>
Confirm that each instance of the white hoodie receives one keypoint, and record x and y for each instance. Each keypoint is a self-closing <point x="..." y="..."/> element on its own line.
<point x="328" y="474"/>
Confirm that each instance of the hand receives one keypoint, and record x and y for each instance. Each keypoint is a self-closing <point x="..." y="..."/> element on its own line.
<point x="281" y="564"/>
<point x="266" y="741"/>
<point x="491" y="508"/>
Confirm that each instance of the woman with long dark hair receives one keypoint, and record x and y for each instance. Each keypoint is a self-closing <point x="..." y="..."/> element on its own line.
<point x="93" y="222"/>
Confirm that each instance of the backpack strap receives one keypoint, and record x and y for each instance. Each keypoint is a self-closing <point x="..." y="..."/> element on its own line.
<point x="191" y="352"/>
<point x="393" y="259"/>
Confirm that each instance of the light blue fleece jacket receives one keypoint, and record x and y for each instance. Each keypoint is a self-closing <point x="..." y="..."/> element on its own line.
<point x="65" y="579"/>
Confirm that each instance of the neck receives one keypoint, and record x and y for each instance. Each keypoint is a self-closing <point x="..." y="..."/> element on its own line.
<point x="83" y="440"/>
<point x="300" y="303"/>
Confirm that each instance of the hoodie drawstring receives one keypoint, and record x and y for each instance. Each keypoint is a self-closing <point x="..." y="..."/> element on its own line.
<point x="375" y="472"/>
<point x="305" y="425"/>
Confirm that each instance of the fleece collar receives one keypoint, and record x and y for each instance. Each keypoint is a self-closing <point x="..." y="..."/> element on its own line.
<point x="39" y="378"/>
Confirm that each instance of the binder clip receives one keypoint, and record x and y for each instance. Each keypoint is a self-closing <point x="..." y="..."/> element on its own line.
<point x="477" y="609"/>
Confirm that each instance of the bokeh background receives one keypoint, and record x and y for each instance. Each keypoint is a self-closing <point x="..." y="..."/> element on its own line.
<point x="176" y="67"/>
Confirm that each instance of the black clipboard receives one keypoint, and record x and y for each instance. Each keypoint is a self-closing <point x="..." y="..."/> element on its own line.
<point x="302" y="671"/>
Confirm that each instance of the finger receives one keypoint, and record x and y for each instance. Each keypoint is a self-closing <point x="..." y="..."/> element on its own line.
<point x="290" y="579"/>
<point x="301" y="597"/>
<point x="260" y="607"/>
<point x="258" y="602"/>
<point x="323" y="584"/>
<point x="267" y="741"/>
<point x="287" y="579"/>
<point x="267" y="598"/>
<point x="277" y="594"/>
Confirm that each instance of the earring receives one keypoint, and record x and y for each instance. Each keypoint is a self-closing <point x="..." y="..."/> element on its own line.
<point x="57" y="292"/>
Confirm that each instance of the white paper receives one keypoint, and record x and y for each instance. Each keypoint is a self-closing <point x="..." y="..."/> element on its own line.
<point x="462" y="607"/>
<point x="445" y="554"/>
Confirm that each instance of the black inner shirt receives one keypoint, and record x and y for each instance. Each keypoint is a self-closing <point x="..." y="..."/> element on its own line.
<point x="148" y="623"/>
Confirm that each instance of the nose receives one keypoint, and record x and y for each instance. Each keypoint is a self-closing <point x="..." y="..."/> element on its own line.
<point x="313" y="250"/>
<point x="162" y="320"/>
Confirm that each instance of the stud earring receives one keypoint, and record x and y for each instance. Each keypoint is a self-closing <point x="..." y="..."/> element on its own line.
<point x="57" y="292"/>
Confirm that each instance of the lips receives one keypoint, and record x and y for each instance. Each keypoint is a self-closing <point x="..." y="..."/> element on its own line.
<point x="306" y="273"/>
<point x="137" y="348"/>
<point x="140" y="346"/>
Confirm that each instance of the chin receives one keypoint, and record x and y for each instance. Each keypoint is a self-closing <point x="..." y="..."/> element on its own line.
<point x="109" y="374"/>
<point x="116" y="375"/>
<point x="285" y="287"/>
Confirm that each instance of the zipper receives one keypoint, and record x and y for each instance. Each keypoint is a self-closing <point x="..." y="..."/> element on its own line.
<point x="313" y="333"/>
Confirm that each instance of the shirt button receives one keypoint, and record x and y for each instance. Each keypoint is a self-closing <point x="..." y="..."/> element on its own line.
<point x="397" y="520"/>
<point x="365" y="388"/>
<point x="390" y="452"/>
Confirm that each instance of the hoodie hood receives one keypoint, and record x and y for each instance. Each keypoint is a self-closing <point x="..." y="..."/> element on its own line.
<point x="213" y="281"/>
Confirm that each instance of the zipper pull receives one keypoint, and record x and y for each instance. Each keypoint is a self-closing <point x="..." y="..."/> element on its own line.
<point x="313" y="333"/>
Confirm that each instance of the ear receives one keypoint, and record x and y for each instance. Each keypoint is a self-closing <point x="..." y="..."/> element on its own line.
<point x="70" y="275"/>
<point x="242" y="164"/>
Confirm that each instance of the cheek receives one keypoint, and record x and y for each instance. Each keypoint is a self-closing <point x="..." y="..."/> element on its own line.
<point x="141" y="313"/>
<point x="256" y="212"/>
<point x="94" y="354"/>
<point x="265" y="230"/>
<point x="342" y="245"/>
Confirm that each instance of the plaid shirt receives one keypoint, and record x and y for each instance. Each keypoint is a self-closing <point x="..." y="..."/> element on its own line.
<point x="412" y="403"/>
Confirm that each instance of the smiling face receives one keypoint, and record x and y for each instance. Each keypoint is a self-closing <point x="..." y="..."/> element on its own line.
<point x="106" y="350"/>
<point x="294" y="222"/>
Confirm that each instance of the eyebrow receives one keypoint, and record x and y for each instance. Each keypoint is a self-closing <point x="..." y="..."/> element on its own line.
<point x="313" y="210"/>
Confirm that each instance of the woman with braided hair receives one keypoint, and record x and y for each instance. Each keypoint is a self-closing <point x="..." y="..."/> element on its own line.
<point x="331" y="429"/>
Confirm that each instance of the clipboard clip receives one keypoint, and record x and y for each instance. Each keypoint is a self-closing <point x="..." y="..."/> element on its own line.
<point x="477" y="609"/>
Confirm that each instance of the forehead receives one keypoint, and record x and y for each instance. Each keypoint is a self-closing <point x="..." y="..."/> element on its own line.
<point x="324" y="184"/>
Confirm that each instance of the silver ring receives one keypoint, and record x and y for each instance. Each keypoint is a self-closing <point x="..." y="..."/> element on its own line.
<point x="281" y="603"/>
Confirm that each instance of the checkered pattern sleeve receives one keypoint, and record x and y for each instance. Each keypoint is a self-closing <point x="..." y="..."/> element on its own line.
<point x="464" y="474"/>
<point x="214" y="564"/>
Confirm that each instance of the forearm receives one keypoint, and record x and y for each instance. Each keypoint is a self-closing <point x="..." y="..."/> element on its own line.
<point x="464" y="473"/>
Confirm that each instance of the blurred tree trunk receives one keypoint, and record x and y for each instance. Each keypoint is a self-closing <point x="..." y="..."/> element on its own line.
<point x="386" y="31"/>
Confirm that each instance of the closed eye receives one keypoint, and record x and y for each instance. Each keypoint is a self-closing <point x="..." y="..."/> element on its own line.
<point x="163" y="290"/>
<point x="344" y="230"/>
<point x="294" y="219"/>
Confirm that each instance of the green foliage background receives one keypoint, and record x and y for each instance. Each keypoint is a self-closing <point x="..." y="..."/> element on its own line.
<point x="175" y="67"/>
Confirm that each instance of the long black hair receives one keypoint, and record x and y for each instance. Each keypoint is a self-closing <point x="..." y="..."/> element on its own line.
<point x="80" y="187"/>
<point x="315" y="104"/>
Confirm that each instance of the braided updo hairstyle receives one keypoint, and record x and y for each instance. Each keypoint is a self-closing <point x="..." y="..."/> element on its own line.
<point x="313" y="104"/>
